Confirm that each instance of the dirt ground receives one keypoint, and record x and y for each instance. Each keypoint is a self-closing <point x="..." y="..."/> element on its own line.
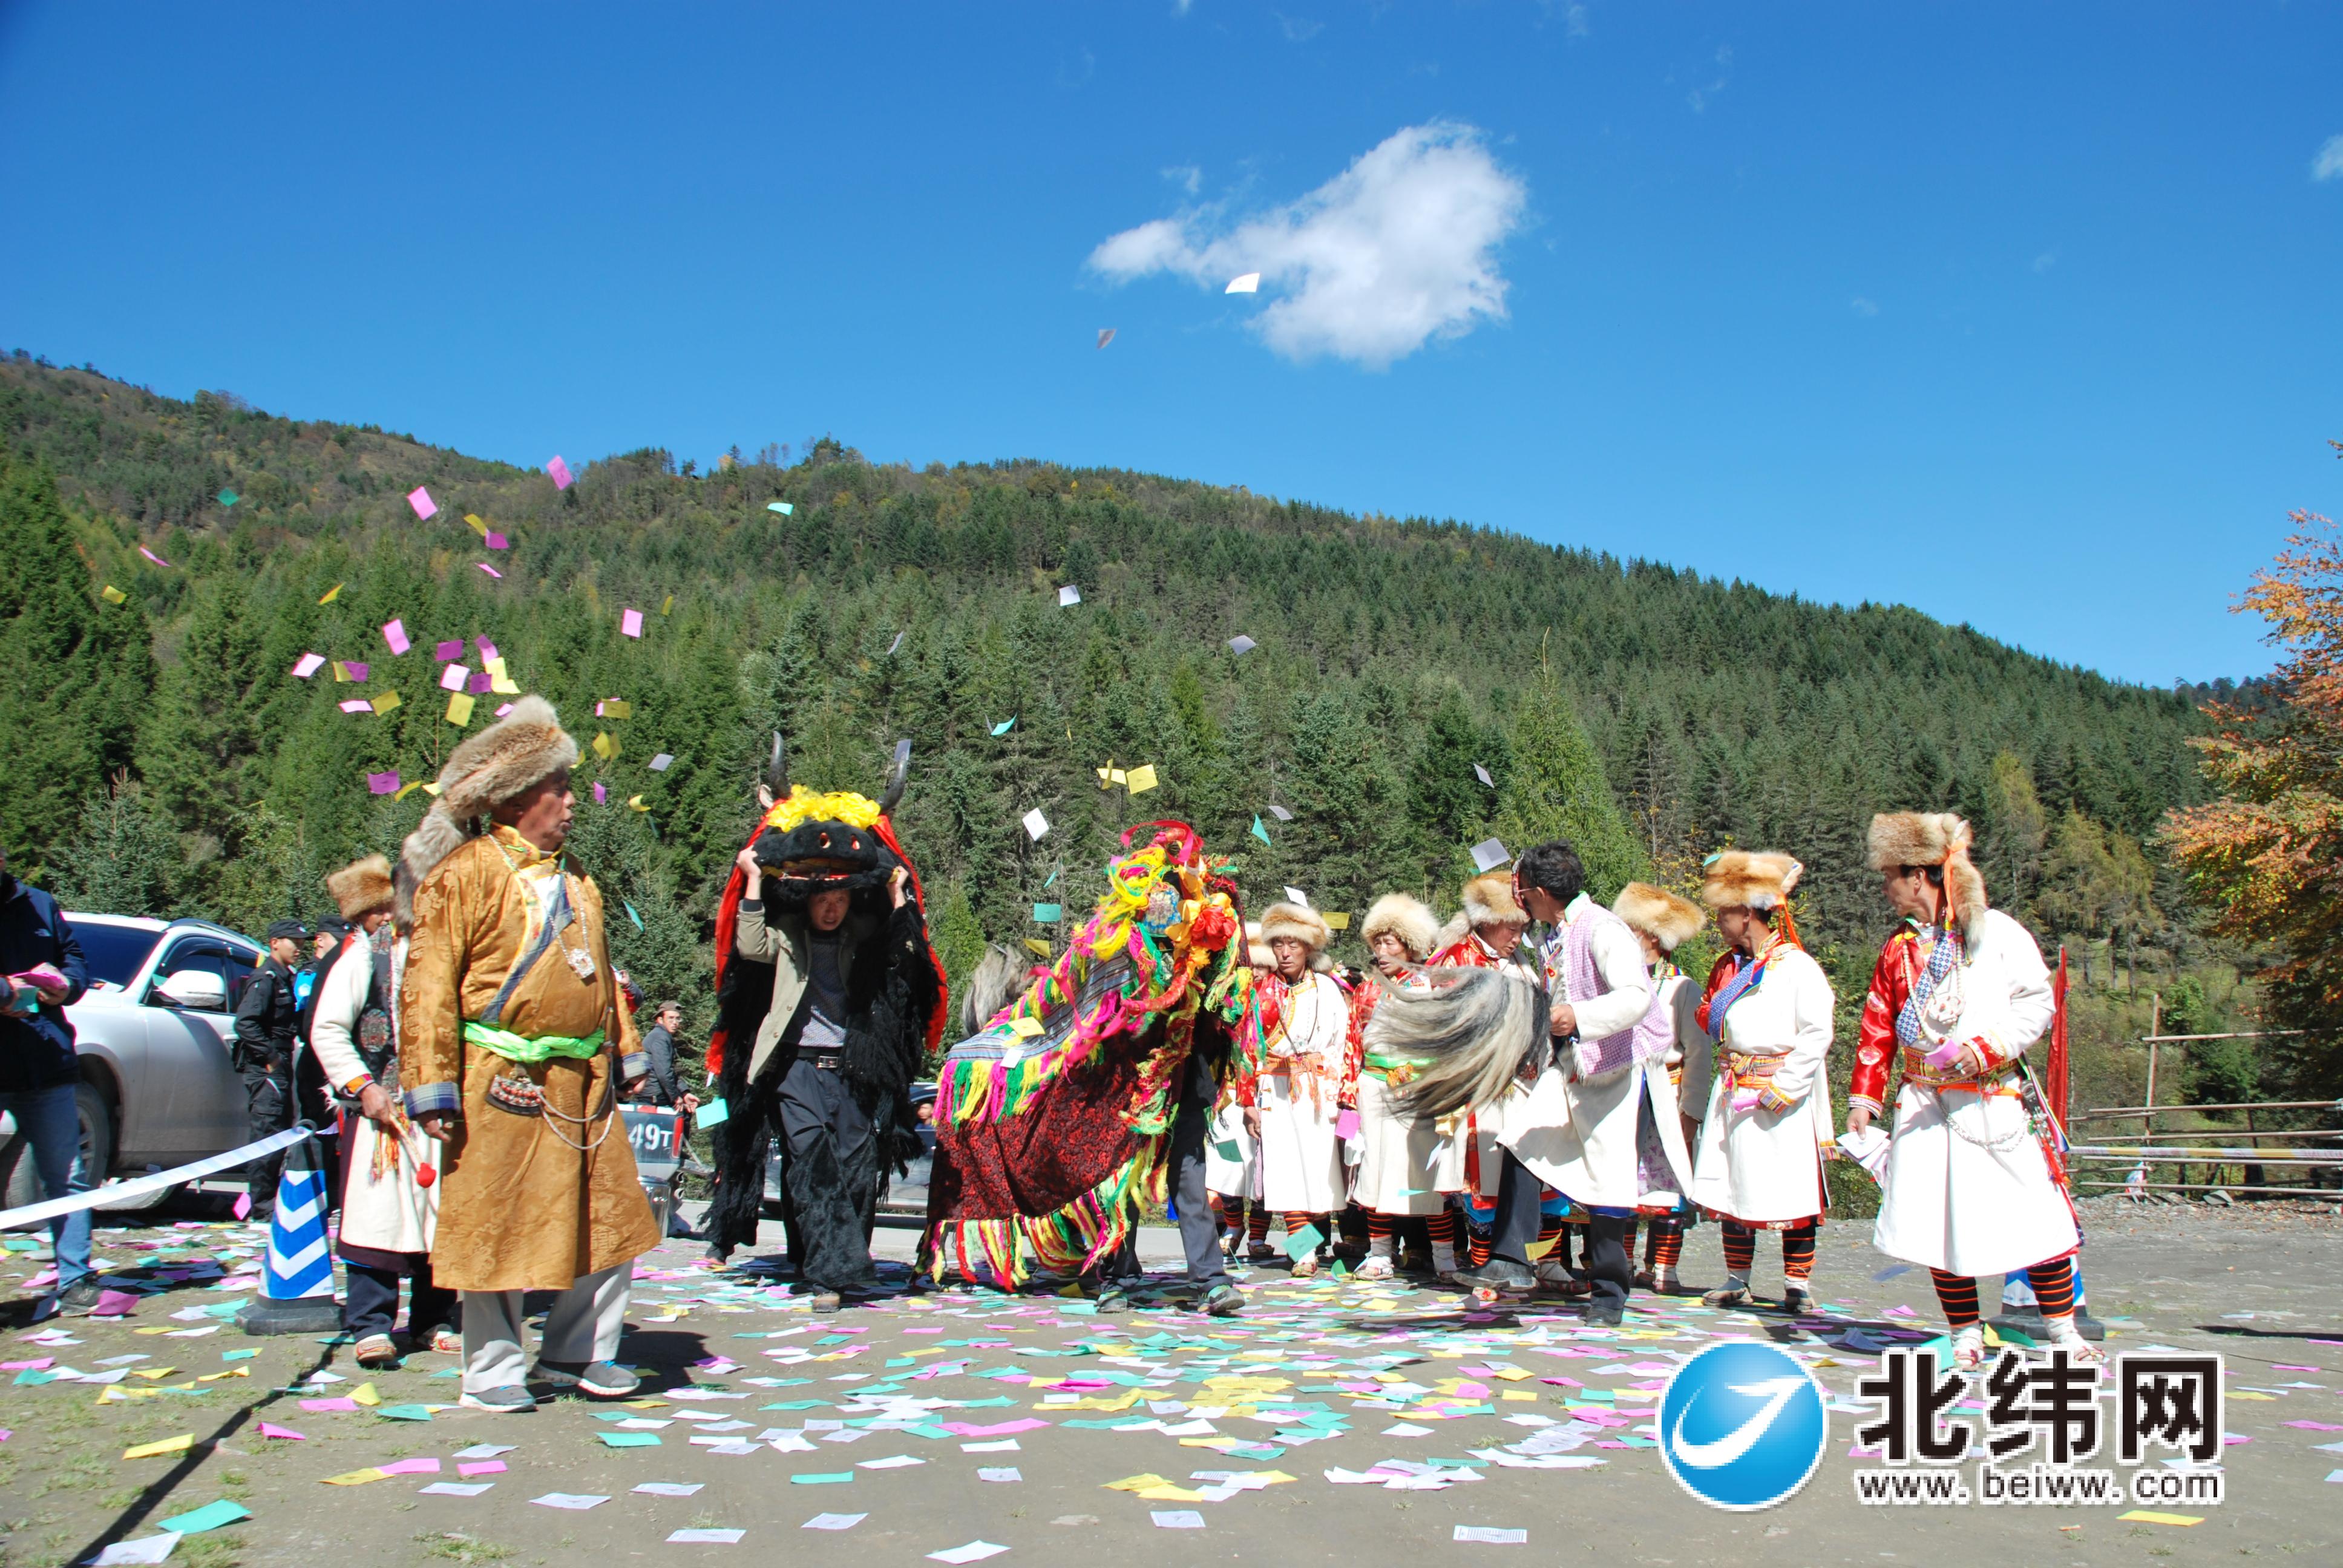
<point x="2255" y="1284"/>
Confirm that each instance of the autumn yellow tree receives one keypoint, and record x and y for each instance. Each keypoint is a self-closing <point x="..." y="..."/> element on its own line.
<point x="2267" y="857"/>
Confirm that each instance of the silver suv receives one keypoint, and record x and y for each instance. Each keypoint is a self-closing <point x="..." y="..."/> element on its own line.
<point x="155" y="1034"/>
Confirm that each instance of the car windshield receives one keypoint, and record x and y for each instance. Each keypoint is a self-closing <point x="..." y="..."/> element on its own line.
<point x="114" y="953"/>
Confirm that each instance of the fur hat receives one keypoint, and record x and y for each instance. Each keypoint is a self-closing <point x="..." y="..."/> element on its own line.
<point x="1745" y="879"/>
<point x="1659" y="914"/>
<point x="524" y="747"/>
<point x="1415" y="927"/>
<point x="361" y="888"/>
<point x="1931" y="838"/>
<point x="1489" y="900"/>
<point x="1256" y="946"/>
<point x="1301" y="923"/>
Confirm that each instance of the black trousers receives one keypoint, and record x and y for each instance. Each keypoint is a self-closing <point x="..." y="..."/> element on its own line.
<point x="831" y="1167"/>
<point x="1519" y="1197"/>
<point x="268" y="1107"/>
<point x="1200" y="1229"/>
<point x="371" y="1303"/>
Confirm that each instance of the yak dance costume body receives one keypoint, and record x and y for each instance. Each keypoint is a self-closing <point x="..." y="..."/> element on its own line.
<point x="510" y="1021"/>
<point x="1759" y="1163"/>
<point x="390" y="1180"/>
<point x="1406" y="1162"/>
<point x="1092" y="1092"/>
<point x="1664" y="922"/>
<point x="1306" y="1086"/>
<point x="1972" y="1183"/>
<point x="819" y="1031"/>
<point x="1484" y="935"/>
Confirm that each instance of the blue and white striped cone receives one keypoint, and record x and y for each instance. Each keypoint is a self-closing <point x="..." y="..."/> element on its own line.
<point x="299" y="1262"/>
<point x="296" y="1284"/>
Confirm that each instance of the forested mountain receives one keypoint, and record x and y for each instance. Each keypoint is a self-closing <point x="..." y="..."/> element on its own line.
<point x="164" y="756"/>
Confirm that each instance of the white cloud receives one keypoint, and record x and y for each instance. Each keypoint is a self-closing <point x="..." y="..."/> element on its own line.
<point x="2046" y="260"/>
<point x="1863" y="307"/>
<point x="1187" y="176"/>
<point x="1396" y="250"/>
<point x="1298" y="29"/>
<point x="2329" y="164"/>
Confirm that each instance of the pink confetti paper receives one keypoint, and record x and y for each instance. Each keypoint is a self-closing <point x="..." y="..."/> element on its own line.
<point x="395" y="633"/>
<point x="425" y="506"/>
<point x="151" y="555"/>
<point x="269" y="1429"/>
<point x="452" y="677"/>
<point x="482" y="1467"/>
<point x="499" y="542"/>
<point x="357" y="705"/>
<point x="410" y="1467"/>
<point x="560" y="472"/>
<point x="383" y="783"/>
<point x="631" y="622"/>
<point x="453" y="649"/>
<point x="490" y="570"/>
<point x="311" y="663"/>
<point x="343" y="1402"/>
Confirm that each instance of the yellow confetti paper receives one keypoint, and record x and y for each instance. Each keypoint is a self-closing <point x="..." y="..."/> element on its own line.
<point x="635" y="803"/>
<point x="342" y="671"/>
<point x="495" y="665"/>
<point x="364" y="1394"/>
<point x="503" y="686"/>
<point x="385" y="702"/>
<point x="111" y="594"/>
<point x="1336" y="919"/>
<point x="1136" y="1483"/>
<point x="154" y="1375"/>
<point x="1038" y="948"/>
<point x="604" y="746"/>
<point x="232" y="1371"/>
<point x="331" y="594"/>
<point x="356" y="1477"/>
<point x="479" y="526"/>
<point x="409" y="787"/>
<point x="186" y="1440"/>
<point x="1541" y="1247"/>
<point x="615" y="707"/>
<point x="667" y="604"/>
<point x="2149" y="1516"/>
<point x="1142" y="779"/>
<point x="460" y="707"/>
<point x="1025" y="1027"/>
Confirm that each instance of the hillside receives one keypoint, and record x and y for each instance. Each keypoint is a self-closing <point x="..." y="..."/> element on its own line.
<point x="1652" y="713"/>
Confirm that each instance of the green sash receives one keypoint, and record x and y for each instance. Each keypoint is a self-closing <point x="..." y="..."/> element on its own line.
<point x="522" y="1048"/>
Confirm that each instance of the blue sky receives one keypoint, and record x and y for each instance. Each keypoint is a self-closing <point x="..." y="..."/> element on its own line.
<point x="2026" y="316"/>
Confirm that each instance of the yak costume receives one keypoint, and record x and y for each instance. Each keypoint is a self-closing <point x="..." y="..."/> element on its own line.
<point x="1059" y="1119"/>
<point x="818" y="1034"/>
<point x="511" y="1021"/>
<point x="1974" y="1182"/>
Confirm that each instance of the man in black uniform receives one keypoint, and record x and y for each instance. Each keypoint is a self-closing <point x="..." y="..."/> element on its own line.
<point x="265" y="1033"/>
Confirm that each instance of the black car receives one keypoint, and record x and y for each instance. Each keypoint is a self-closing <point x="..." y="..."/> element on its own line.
<point x="903" y="1203"/>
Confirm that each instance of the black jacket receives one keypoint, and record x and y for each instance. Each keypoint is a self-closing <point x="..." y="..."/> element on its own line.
<point x="659" y="1046"/>
<point x="38" y="1052"/>
<point x="266" y="1018"/>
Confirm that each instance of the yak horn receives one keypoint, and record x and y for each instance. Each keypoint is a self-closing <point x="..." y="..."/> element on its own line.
<point x="897" y="778"/>
<point x="776" y="769"/>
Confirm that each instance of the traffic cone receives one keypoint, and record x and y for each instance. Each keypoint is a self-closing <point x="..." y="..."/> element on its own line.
<point x="296" y="1284"/>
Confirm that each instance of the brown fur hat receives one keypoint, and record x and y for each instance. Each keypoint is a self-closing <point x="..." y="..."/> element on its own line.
<point x="361" y="888"/>
<point x="1666" y="918"/>
<point x="1301" y="923"/>
<point x="1747" y="878"/>
<point x="1415" y="927"/>
<point x="1931" y="838"/>
<point x="524" y="747"/>
<point x="1489" y="900"/>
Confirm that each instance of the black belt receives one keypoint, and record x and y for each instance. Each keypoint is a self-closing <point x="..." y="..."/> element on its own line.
<point x="827" y="1061"/>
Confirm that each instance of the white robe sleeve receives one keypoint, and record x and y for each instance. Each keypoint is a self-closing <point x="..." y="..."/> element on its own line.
<point x="1699" y="1050"/>
<point x="2031" y="1003"/>
<point x="1812" y="1005"/>
<point x="341" y="996"/>
<point x="1619" y="959"/>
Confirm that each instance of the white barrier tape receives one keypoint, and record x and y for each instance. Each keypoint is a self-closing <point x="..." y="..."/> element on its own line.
<point x="51" y="1209"/>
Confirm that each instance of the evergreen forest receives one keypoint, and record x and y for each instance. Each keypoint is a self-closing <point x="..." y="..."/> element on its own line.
<point x="166" y="565"/>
